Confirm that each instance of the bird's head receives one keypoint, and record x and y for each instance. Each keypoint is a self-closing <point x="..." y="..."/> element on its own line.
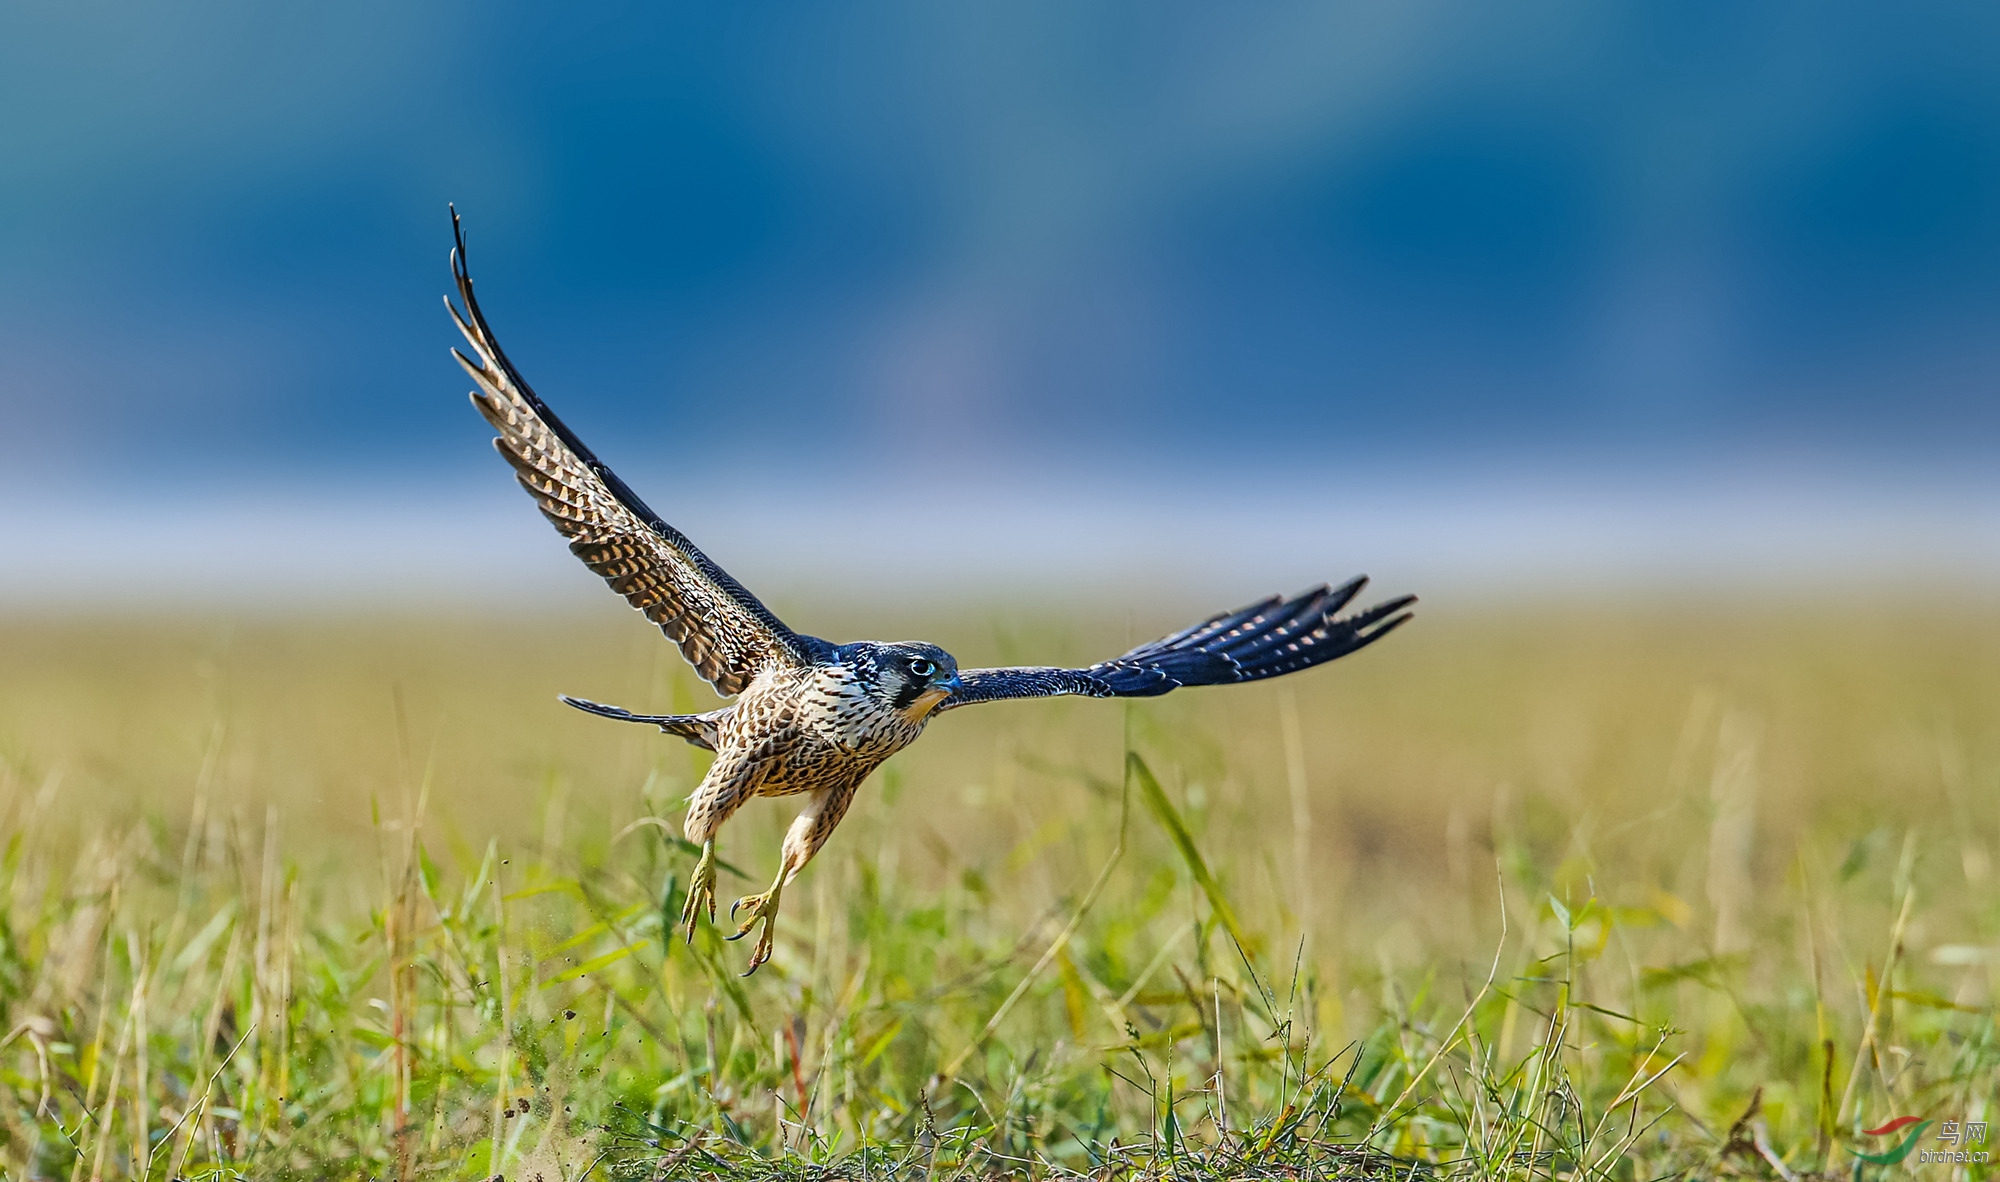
<point x="915" y="677"/>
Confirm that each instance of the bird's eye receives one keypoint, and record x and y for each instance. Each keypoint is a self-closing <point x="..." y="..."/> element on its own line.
<point x="922" y="668"/>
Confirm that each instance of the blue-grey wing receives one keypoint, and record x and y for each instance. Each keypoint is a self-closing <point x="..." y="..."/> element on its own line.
<point x="994" y="685"/>
<point x="722" y="629"/>
<point x="1268" y="638"/>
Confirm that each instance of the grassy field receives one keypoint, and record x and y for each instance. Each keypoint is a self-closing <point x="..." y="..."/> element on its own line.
<point x="1570" y="893"/>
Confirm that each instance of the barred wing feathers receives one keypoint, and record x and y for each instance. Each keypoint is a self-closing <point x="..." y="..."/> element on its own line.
<point x="722" y="629"/>
<point x="1268" y="638"/>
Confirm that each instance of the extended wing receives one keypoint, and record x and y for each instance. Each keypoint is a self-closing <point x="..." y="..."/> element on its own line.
<point x="1269" y="638"/>
<point x="722" y="630"/>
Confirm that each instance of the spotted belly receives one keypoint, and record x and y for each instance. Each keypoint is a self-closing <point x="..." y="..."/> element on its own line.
<point x="815" y="761"/>
<point x="823" y="729"/>
<point x="810" y="764"/>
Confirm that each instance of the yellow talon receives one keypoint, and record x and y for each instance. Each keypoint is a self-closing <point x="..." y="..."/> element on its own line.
<point x="701" y="890"/>
<point x="763" y="910"/>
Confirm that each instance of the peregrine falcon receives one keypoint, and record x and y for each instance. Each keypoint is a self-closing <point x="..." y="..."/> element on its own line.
<point x="811" y="717"/>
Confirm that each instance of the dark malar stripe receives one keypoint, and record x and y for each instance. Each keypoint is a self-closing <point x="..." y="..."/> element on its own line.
<point x="908" y="695"/>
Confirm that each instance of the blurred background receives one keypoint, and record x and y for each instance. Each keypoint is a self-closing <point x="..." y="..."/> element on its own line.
<point x="1652" y="344"/>
<point x="1669" y="296"/>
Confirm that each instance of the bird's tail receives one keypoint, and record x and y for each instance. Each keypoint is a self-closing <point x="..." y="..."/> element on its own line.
<point x="698" y="729"/>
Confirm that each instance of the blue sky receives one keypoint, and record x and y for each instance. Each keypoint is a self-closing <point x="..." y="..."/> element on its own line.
<point x="1132" y="246"/>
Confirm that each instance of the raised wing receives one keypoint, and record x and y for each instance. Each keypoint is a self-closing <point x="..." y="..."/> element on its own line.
<point x="722" y="630"/>
<point x="1269" y="638"/>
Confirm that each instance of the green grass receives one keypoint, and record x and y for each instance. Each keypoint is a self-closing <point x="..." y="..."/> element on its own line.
<point x="1552" y="894"/>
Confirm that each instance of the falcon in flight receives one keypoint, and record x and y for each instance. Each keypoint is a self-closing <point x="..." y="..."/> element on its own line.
<point x="812" y="717"/>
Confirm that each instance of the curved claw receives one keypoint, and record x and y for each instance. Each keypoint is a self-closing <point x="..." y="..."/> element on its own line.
<point x="691" y="913"/>
<point x="763" y="911"/>
<point x="759" y="906"/>
<point x="761" y="954"/>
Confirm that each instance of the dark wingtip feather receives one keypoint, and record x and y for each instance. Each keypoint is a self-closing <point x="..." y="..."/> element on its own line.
<point x="1269" y="638"/>
<point x="1364" y="639"/>
<point x="457" y="238"/>
<point x="1344" y="594"/>
<point x="1391" y="626"/>
<point x="1380" y="610"/>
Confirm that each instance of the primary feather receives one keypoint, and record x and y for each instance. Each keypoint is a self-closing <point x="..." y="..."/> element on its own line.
<point x="1268" y="638"/>
<point x="725" y="632"/>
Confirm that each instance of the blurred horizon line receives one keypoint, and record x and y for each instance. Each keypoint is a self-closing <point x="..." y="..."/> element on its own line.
<point x="1441" y="529"/>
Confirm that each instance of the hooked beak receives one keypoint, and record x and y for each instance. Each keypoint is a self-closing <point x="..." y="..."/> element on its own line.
<point x="935" y="696"/>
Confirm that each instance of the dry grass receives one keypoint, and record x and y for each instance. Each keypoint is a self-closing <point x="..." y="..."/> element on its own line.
<point x="356" y="898"/>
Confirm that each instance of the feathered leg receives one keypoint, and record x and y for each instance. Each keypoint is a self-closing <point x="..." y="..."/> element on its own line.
<point x="808" y="832"/>
<point x="731" y="780"/>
